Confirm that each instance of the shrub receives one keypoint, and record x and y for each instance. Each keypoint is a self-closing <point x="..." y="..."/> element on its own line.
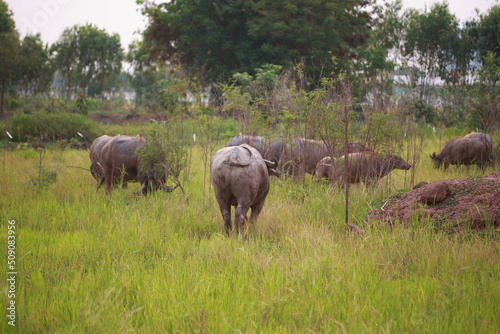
<point x="423" y="111"/>
<point x="165" y="152"/>
<point x="44" y="128"/>
<point x="32" y="103"/>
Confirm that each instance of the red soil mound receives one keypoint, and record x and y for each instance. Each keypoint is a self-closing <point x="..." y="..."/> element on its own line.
<point x="453" y="203"/>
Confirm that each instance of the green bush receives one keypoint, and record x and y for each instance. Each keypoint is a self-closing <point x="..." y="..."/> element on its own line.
<point x="32" y="103"/>
<point x="423" y="111"/>
<point x="165" y="151"/>
<point x="41" y="128"/>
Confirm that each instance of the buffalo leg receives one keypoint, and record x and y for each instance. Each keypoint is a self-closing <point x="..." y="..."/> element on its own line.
<point x="144" y="187"/>
<point x="256" y="209"/>
<point x="240" y="215"/>
<point x="225" y="210"/>
<point x="108" y="179"/>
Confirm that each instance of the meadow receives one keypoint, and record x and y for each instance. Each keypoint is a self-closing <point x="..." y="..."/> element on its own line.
<point x="162" y="263"/>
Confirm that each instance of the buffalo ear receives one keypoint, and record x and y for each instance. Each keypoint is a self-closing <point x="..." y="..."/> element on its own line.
<point x="433" y="156"/>
<point x="273" y="172"/>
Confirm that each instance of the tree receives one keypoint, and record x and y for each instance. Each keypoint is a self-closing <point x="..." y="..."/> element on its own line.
<point x="486" y="100"/>
<point x="488" y="35"/>
<point x="65" y="50"/>
<point x="372" y="64"/>
<point x="285" y="31"/>
<point x="35" y="71"/>
<point x="146" y="75"/>
<point x="459" y="62"/>
<point x="429" y="40"/>
<point x="194" y="33"/>
<point x="86" y="55"/>
<point x="9" y="49"/>
<point x="239" y="35"/>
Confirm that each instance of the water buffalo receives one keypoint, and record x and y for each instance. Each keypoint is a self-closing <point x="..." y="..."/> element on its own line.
<point x="257" y="142"/>
<point x="362" y="166"/>
<point x="120" y="160"/>
<point x="240" y="177"/>
<point x="464" y="151"/>
<point x="268" y="149"/>
<point x="486" y="140"/>
<point x="302" y="155"/>
<point x="95" y="156"/>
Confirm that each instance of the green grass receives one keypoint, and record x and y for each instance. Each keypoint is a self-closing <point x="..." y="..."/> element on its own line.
<point x="87" y="263"/>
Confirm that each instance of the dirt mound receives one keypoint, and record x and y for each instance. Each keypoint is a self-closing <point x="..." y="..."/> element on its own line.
<point x="453" y="203"/>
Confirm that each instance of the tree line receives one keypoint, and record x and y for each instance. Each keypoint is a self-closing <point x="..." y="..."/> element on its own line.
<point x="374" y="46"/>
<point x="85" y="59"/>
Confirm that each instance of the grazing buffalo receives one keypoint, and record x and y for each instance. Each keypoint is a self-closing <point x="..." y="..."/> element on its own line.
<point x="486" y="140"/>
<point x="464" y="151"/>
<point x="302" y="155"/>
<point x="268" y="149"/>
<point x="240" y="177"/>
<point x="362" y="166"/>
<point x="95" y="156"/>
<point x="120" y="160"/>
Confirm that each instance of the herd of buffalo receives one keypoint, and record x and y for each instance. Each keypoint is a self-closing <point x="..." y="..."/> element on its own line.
<point x="240" y="172"/>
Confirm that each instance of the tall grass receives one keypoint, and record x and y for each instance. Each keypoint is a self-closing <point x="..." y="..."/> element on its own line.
<point x="162" y="263"/>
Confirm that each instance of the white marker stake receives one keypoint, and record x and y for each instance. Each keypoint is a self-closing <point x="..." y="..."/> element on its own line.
<point x="8" y="134"/>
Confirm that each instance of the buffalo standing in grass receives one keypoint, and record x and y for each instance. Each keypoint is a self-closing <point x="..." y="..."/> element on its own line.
<point x="240" y="177"/>
<point x="362" y="166"/>
<point x="120" y="160"/>
<point x="268" y="149"/>
<point x="302" y="155"/>
<point x="472" y="149"/>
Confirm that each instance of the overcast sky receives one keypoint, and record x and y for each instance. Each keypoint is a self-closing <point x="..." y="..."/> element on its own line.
<point x="51" y="17"/>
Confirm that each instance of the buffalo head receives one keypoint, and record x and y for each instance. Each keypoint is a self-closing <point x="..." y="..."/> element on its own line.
<point x="437" y="161"/>
<point x="400" y="163"/>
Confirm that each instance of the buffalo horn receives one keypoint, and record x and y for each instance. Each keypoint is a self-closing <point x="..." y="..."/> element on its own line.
<point x="270" y="164"/>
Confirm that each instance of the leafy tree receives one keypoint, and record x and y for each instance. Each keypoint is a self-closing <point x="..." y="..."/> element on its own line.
<point x="9" y="50"/>
<point x="460" y="59"/>
<point x="146" y="74"/>
<point x="488" y="34"/>
<point x="429" y="40"/>
<point x="65" y="50"/>
<point x="240" y="35"/>
<point x="6" y="22"/>
<point x="372" y="65"/>
<point x="35" y="70"/>
<point x="86" y="55"/>
<point x="486" y="101"/>
<point x="285" y="31"/>
<point x="195" y="32"/>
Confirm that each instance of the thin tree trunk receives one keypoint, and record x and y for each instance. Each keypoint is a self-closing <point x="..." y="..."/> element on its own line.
<point x="2" y="98"/>
<point x="346" y="161"/>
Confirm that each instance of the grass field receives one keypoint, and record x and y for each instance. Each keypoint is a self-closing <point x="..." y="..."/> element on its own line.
<point x="162" y="263"/>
